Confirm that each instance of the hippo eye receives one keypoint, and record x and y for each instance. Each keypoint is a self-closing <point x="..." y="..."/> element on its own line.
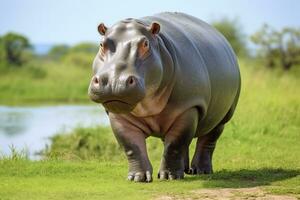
<point x="146" y="44"/>
<point x="102" y="49"/>
<point x="143" y="48"/>
<point x="102" y="46"/>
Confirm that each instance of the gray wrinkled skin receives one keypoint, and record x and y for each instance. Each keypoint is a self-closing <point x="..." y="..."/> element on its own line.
<point x="186" y="86"/>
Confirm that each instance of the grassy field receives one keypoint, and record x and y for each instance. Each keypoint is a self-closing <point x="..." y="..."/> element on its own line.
<point x="260" y="147"/>
<point x="45" y="82"/>
<point x="106" y="180"/>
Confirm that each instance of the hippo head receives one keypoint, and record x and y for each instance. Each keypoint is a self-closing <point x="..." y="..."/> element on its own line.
<point x="127" y="67"/>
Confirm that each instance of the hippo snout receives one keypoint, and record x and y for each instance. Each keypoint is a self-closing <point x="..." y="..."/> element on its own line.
<point x="118" y="95"/>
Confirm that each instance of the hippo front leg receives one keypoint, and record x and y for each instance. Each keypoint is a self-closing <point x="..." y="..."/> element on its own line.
<point x="133" y="142"/>
<point x="176" y="145"/>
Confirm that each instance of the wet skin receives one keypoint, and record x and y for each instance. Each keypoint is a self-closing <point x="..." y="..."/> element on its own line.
<point x="170" y="76"/>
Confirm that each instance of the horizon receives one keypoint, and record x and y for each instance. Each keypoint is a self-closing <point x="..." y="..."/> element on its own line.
<point x="70" y="22"/>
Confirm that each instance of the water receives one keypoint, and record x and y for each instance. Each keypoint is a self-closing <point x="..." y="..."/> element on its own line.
<point x="30" y="127"/>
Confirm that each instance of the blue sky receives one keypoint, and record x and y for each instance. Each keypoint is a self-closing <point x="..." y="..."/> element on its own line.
<point x="73" y="21"/>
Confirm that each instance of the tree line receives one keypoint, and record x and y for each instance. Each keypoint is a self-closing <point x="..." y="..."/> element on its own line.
<point x="277" y="48"/>
<point x="16" y="51"/>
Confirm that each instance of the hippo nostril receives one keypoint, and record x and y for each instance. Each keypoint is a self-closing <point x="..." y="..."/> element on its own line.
<point x="131" y="81"/>
<point x="95" y="80"/>
<point x="100" y="81"/>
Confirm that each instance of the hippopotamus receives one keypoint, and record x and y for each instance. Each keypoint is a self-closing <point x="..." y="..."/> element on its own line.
<point x="170" y="76"/>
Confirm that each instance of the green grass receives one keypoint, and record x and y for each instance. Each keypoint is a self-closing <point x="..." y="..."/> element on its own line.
<point x="45" y="82"/>
<point x="106" y="180"/>
<point x="259" y="147"/>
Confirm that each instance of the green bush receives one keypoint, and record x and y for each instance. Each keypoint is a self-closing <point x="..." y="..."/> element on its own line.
<point x="278" y="47"/>
<point x="58" y="51"/>
<point x="14" y="49"/>
<point x="85" y="47"/>
<point x="84" y="144"/>
<point x="81" y="59"/>
<point x="81" y="55"/>
<point x="36" y="72"/>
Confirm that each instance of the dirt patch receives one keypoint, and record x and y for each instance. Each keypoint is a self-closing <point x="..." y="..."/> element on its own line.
<point x="254" y="193"/>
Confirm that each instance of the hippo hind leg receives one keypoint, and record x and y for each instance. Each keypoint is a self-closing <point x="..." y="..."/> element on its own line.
<point x="202" y="160"/>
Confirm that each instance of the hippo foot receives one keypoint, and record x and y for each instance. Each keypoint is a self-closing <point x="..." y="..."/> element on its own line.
<point x="140" y="176"/>
<point x="199" y="168"/>
<point x="169" y="175"/>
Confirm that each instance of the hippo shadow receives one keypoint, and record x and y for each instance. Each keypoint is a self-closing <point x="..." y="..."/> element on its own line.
<point x="244" y="177"/>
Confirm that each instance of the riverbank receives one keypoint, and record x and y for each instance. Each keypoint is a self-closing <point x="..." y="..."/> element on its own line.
<point x="30" y="127"/>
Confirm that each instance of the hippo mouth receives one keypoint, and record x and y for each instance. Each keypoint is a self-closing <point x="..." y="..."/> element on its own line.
<point x="116" y="101"/>
<point x="118" y="106"/>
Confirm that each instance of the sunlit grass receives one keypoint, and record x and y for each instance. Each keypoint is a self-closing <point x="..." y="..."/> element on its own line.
<point x="259" y="147"/>
<point x="45" y="82"/>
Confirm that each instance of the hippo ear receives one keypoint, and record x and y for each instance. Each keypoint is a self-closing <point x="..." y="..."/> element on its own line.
<point x="154" y="28"/>
<point x="102" y="29"/>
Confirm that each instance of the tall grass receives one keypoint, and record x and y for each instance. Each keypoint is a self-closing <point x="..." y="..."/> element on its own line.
<point x="84" y="144"/>
<point x="15" y="154"/>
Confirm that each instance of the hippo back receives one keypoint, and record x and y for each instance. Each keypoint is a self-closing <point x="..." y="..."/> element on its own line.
<point x="207" y="69"/>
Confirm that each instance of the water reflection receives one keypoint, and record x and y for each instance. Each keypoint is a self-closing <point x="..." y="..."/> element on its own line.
<point x="12" y="122"/>
<point x="30" y="127"/>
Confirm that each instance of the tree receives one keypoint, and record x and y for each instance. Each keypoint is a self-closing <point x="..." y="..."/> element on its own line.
<point x="81" y="54"/>
<point x="278" y="47"/>
<point x="15" y="46"/>
<point x="2" y="55"/>
<point x="85" y="48"/>
<point x="232" y="31"/>
<point x="58" y="51"/>
<point x="2" y="51"/>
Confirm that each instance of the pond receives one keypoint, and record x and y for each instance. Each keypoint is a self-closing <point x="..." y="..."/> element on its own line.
<point x="29" y="128"/>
